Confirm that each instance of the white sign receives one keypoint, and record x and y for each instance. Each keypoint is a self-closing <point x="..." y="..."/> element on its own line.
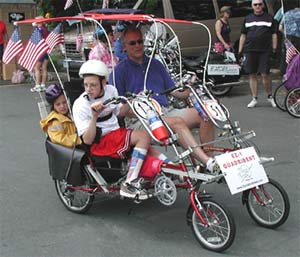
<point x="242" y="169"/>
<point x="223" y="69"/>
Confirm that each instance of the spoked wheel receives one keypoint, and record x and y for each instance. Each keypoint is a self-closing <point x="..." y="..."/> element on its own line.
<point x="78" y="201"/>
<point x="219" y="231"/>
<point x="279" y="96"/>
<point x="292" y="102"/>
<point x="268" y="205"/>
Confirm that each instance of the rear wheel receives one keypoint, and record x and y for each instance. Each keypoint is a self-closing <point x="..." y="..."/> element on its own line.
<point x="268" y="205"/>
<point x="75" y="200"/>
<point x="220" y="90"/>
<point x="292" y="102"/>
<point x="219" y="231"/>
<point x="279" y="96"/>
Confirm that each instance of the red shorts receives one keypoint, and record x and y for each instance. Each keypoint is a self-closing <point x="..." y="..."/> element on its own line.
<point x="114" y="144"/>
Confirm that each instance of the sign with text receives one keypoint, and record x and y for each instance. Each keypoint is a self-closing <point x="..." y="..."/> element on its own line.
<point x="223" y="69"/>
<point x="242" y="169"/>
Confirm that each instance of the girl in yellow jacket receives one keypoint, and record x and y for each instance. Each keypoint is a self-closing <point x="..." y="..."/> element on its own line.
<point x="58" y="125"/>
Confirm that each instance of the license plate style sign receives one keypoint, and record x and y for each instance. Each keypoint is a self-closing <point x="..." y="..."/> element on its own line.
<point x="223" y="69"/>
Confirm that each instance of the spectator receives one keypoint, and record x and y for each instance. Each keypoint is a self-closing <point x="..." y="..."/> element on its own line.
<point x="222" y="28"/>
<point x="119" y="51"/>
<point x="98" y="126"/>
<point x="101" y="51"/>
<point x="129" y="76"/>
<point x="40" y="68"/>
<point x="58" y="125"/>
<point x="289" y="26"/>
<point x="258" y="38"/>
<point x="3" y="37"/>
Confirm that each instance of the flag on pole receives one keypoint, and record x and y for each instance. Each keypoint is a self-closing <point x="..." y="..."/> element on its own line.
<point x="68" y="4"/>
<point x="36" y="47"/>
<point x="55" y="38"/>
<point x="14" y="46"/>
<point x="291" y="51"/>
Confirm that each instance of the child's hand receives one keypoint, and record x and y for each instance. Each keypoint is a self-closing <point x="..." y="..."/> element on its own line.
<point x="97" y="108"/>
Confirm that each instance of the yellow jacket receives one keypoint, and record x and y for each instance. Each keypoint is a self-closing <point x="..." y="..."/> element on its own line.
<point x="61" y="129"/>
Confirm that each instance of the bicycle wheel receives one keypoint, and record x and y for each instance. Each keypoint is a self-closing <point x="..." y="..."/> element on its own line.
<point x="279" y="96"/>
<point x="268" y="205"/>
<point x="78" y="201"/>
<point x="219" y="231"/>
<point x="292" y="102"/>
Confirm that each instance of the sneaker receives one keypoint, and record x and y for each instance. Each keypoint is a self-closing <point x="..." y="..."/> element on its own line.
<point x="43" y="87"/>
<point x="271" y="101"/>
<point x="36" y="88"/>
<point x="253" y="103"/>
<point x="212" y="166"/>
<point x="130" y="190"/>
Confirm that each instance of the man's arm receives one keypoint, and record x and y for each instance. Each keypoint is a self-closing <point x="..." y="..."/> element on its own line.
<point x="242" y="43"/>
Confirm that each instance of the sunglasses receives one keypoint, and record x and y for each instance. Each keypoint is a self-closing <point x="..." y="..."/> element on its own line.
<point x="260" y="4"/>
<point x="134" y="42"/>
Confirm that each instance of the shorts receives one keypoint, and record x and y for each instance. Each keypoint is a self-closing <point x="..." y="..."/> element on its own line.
<point x="44" y="57"/>
<point x="135" y="124"/>
<point x="258" y="62"/>
<point x="1" y="51"/>
<point x="114" y="144"/>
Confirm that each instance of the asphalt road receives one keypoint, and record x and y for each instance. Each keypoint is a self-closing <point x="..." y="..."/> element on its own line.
<point x="35" y="224"/>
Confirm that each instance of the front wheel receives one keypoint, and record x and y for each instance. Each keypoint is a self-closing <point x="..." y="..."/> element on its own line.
<point x="292" y="102"/>
<point x="268" y="205"/>
<point x="218" y="232"/>
<point x="76" y="199"/>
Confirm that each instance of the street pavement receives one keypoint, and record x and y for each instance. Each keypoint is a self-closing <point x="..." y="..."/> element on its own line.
<point x="34" y="223"/>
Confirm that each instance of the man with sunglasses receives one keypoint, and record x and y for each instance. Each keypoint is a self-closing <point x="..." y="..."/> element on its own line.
<point x="258" y="41"/>
<point x="129" y="77"/>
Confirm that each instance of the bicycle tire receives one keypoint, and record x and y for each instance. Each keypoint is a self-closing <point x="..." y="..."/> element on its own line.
<point x="279" y="96"/>
<point x="77" y="201"/>
<point x="292" y="102"/>
<point x="220" y="232"/>
<point x="275" y="208"/>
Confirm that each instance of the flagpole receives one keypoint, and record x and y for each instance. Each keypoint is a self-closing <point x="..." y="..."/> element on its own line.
<point x="77" y="1"/>
<point x="284" y="27"/>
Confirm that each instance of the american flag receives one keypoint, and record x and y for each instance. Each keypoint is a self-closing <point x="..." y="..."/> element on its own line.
<point x="14" y="46"/>
<point x="55" y="38"/>
<point x="34" y="50"/>
<point x="68" y="4"/>
<point x="291" y="51"/>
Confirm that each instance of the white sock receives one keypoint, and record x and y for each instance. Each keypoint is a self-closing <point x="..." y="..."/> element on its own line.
<point x="136" y="162"/>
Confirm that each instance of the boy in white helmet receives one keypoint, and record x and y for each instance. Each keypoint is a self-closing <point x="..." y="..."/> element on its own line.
<point x="98" y="126"/>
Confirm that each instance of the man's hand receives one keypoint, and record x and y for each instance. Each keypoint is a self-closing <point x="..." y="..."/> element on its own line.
<point x="274" y="54"/>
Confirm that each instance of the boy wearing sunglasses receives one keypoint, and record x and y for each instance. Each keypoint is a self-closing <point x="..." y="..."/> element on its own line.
<point x="258" y="41"/>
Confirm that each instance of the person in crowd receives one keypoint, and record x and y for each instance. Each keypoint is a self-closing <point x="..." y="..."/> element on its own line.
<point x="119" y="51"/>
<point x="222" y="28"/>
<point x="288" y="27"/>
<point x="258" y="41"/>
<point x="101" y="51"/>
<point x="40" y="68"/>
<point x="3" y="37"/>
<point x="129" y="76"/>
<point x="58" y="124"/>
<point x="98" y="126"/>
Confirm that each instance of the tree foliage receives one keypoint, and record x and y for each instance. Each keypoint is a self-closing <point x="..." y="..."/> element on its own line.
<point x="55" y="8"/>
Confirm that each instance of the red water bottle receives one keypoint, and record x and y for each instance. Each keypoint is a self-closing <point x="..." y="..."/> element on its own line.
<point x="158" y="129"/>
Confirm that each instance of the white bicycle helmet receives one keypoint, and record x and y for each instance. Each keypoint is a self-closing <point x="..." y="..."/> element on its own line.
<point x="94" y="67"/>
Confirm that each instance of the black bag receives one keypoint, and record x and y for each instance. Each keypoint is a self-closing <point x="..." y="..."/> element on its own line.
<point x="61" y="159"/>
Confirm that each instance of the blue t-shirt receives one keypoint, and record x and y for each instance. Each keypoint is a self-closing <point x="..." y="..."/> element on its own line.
<point x="258" y="30"/>
<point x="129" y="77"/>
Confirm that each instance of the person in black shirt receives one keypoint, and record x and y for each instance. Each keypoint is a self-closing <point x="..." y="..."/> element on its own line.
<point x="223" y="30"/>
<point x="258" y="40"/>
